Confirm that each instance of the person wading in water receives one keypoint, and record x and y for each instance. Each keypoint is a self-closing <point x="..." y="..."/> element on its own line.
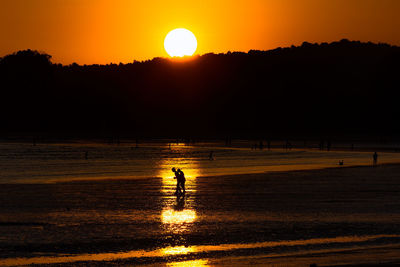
<point x="180" y="181"/>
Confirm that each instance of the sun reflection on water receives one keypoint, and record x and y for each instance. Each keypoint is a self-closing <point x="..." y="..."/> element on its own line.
<point x="178" y="160"/>
<point x="171" y="216"/>
<point x="178" y="213"/>
<point x="177" y="250"/>
<point x="194" y="263"/>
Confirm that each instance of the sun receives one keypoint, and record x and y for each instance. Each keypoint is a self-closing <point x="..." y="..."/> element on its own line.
<point x="180" y="42"/>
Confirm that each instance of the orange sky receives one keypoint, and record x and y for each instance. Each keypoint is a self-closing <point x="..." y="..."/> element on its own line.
<point x="104" y="31"/>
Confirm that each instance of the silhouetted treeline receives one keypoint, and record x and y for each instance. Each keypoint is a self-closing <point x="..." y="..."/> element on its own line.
<point x="338" y="88"/>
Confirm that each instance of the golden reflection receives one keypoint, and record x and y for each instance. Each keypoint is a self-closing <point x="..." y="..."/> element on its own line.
<point x="177" y="250"/>
<point x="194" y="263"/>
<point x="178" y="211"/>
<point x="171" y="216"/>
<point x="188" y="166"/>
<point x="199" y="250"/>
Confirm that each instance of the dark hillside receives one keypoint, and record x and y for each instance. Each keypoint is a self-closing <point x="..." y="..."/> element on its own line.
<point x="338" y="88"/>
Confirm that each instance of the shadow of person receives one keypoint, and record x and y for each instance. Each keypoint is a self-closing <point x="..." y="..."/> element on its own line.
<point x="180" y="203"/>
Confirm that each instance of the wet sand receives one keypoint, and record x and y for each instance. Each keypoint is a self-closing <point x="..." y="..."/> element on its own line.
<point x="338" y="216"/>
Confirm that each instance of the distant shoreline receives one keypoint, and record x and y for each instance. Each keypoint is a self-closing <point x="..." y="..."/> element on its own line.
<point x="307" y="170"/>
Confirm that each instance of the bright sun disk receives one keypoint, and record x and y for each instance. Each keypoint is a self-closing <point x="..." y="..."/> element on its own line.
<point x="180" y="42"/>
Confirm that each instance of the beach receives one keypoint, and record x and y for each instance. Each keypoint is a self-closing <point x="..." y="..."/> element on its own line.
<point x="200" y="133"/>
<point x="330" y="217"/>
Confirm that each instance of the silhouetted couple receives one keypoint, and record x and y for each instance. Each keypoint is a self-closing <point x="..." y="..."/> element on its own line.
<point x="180" y="181"/>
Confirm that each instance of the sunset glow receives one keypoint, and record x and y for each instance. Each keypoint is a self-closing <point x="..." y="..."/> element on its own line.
<point x="92" y="31"/>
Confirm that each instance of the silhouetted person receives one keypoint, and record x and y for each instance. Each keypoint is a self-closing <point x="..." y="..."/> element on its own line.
<point x="177" y="190"/>
<point x="181" y="180"/>
<point x="341" y="162"/>
<point x="211" y="156"/>
<point x="375" y="158"/>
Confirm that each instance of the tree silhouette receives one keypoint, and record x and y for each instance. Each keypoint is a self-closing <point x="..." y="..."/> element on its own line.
<point x="338" y="88"/>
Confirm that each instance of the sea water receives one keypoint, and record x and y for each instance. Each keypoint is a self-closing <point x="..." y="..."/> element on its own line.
<point x="94" y="202"/>
<point x="55" y="162"/>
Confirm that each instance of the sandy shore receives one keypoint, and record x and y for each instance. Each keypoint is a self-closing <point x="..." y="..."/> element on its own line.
<point x="330" y="217"/>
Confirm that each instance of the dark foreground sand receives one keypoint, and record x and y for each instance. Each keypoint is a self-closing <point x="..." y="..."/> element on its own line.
<point x="329" y="217"/>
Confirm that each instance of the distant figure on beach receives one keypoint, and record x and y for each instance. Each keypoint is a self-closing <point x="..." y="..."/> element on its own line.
<point x="375" y="158"/>
<point x="211" y="156"/>
<point x="341" y="162"/>
<point x="180" y="181"/>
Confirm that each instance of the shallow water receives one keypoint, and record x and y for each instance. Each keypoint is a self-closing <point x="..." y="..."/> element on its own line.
<point x="277" y="215"/>
<point x="44" y="163"/>
<point x="296" y="248"/>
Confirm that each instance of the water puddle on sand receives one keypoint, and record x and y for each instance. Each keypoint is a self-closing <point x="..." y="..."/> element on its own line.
<point x="189" y="250"/>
